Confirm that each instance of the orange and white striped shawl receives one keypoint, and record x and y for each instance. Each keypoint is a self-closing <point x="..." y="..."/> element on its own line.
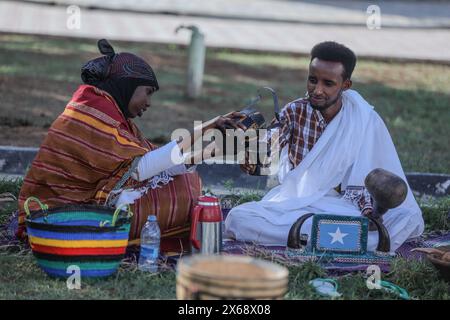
<point x="87" y="150"/>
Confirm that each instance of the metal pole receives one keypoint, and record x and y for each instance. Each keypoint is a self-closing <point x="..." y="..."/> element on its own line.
<point x="196" y="62"/>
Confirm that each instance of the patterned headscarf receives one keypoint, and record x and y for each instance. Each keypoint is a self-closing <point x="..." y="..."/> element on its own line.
<point x="119" y="74"/>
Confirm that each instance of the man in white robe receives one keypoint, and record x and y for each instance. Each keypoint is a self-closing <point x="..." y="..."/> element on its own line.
<point x="332" y="138"/>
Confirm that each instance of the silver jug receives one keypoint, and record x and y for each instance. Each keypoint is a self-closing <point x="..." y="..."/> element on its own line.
<point x="206" y="227"/>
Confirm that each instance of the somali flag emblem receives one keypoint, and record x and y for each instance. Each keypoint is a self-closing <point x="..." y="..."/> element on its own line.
<point x="335" y="235"/>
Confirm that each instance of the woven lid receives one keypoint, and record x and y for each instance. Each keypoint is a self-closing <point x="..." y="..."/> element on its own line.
<point x="231" y="267"/>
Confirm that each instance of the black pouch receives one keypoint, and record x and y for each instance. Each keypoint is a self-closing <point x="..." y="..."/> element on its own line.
<point x="253" y="120"/>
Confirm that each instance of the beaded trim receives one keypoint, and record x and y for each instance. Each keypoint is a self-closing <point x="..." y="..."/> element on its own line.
<point x="361" y="260"/>
<point x="302" y="256"/>
<point x="159" y="180"/>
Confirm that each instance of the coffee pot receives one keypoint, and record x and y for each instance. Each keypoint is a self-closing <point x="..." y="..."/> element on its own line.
<point x="206" y="226"/>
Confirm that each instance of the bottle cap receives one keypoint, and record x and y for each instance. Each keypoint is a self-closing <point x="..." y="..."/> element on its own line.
<point x="151" y="218"/>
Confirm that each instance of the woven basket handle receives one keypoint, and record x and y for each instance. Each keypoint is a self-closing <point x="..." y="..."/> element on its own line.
<point x="44" y="207"/>
<point x="116" y="213"/>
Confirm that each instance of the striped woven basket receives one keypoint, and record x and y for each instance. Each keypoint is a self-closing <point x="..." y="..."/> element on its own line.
<point x="92" y="238"/>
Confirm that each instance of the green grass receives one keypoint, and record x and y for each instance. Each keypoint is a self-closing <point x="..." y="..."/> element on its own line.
<point x="24" y="280"/>
<point x="412" y="98"/>
<point x="21" y="278"/>
<point x="419" y="279"/>
<point x="436" y="214"/>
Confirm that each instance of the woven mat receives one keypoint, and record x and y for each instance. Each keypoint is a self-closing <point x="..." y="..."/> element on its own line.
<point x="8" y="234"/>
<point x="280" y="253"/>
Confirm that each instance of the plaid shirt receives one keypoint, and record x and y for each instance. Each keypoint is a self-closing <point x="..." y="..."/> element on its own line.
<point x="301" y="127"/>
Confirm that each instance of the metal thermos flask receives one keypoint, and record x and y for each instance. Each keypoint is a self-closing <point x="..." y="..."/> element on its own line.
<point x="206" y="228"/>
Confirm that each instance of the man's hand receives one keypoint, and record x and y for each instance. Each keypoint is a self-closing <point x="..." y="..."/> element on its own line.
<point x="367" y="212"/>
<point x="247" y="167"/>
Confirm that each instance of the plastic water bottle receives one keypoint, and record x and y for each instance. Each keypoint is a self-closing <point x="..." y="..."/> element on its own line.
<point x="150" y="240"/>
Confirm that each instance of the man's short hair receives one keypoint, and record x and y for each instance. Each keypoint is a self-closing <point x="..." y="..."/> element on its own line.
<point x="333" y="51"/>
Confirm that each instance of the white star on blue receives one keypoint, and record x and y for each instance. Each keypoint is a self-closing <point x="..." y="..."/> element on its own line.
<point x="339" y="236"/>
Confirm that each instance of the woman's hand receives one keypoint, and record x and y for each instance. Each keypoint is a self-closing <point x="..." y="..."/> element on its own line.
<point x="227" y="121"/>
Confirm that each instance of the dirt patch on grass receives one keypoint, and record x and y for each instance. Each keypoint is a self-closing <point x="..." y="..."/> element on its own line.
<point x="32" y="101"/>
<point x="29" y="106"/>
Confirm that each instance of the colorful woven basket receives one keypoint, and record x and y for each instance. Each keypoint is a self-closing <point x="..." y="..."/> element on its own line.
<point x="93" y="238"/>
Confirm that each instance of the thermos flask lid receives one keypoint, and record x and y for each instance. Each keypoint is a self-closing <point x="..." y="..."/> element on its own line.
<point x="212" y="211"/>
<point x="208" y="204"/>
<point x="208" y="201"/>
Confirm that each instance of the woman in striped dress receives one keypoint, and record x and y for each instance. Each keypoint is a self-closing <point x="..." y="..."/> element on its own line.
<point x="94" y="153"/>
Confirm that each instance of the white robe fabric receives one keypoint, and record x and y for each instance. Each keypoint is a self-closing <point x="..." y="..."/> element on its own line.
<point x="354" y="143"/>
<point x="157" y="166"/>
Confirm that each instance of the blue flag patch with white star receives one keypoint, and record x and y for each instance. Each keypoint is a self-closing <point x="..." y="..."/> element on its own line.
<point x="339" y="233"/>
